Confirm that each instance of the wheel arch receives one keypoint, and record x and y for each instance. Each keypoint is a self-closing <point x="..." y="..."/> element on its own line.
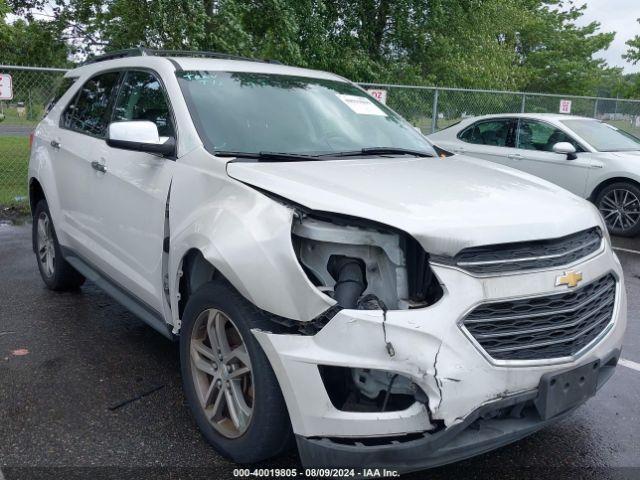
<point x="609" y="181"/>
<point x="194" y="271"/>
<point x="36" y="193"/>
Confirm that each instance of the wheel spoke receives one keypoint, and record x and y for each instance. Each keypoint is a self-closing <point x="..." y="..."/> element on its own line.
<point x="213" y="393"/>
<point x="204" y="366"/>
<point x="232" y="407"/>
<point x="238" y="372"/>
<point x="205" y="351"/>
<point x="238" y="353"/>
<point x="220" y="322"/>
<point x="222" y="373"/>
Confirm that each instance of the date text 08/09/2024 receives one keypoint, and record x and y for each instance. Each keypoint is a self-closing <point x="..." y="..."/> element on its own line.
<point x="316" y="472"/>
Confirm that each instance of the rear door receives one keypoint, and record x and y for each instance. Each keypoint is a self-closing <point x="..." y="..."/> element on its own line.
<point x="491" y="139"/>
<point x="535" y="140"/>
<point x="130" y="197"/>
<point x="79" y="145"/>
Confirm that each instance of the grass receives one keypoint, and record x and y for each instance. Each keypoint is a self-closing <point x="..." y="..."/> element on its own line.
<point x="14" y="162"/>
<point x="11" y="117"/>
<point x="626" y="126"/>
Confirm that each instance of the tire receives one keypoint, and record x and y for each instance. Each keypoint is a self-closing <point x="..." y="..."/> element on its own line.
<point x="55" y="271"/>
<point x="266" y="432"/>
<point x="619" y="204"/>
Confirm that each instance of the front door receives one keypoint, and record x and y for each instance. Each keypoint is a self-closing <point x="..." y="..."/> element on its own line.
<point x="535" y="141"/>
<point x="132" y="194"/>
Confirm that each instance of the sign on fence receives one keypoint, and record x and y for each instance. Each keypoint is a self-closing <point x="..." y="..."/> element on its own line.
<point x="565" y="106"/>
<point x="6" y="87"/>
<point x="378" y="94"/>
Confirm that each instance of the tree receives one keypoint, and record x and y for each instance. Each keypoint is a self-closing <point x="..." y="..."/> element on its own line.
<point x="501" y="44"/>
<point x="30" y="42"/>
<point x="633" y="53"/>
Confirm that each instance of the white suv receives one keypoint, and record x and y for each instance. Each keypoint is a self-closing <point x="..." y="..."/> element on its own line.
<point x="329" y="278"/>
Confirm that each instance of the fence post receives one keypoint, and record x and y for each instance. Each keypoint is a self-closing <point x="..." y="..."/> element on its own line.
<point x="595" y="109"/>
<point x="615" y="113"/>
<point x="524" y="102"/>
<point x="434" y="119"/>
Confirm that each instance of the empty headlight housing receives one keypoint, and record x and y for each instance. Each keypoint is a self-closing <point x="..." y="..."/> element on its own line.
<point x="363" y="264"/>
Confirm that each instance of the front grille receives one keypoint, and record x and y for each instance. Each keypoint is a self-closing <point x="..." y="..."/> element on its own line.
<point x="530" y="255"/>
<point x="544" y="327"/>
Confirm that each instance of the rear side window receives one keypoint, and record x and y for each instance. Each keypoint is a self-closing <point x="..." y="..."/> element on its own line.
<point x="64" y="85"/>
<point x="142" y="97"/>
<point x="91" y="111"/>
<point x="497" y="133"/>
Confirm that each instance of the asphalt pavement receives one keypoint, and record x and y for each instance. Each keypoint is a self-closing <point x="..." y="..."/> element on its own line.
<point x="15" y="130"/>
<point x="89" y="391"/>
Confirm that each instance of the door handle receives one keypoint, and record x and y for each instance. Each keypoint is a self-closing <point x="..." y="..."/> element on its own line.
<point x="515" y="156"/>
<point x="55" y="144"/>
<point x="98" y="166"/>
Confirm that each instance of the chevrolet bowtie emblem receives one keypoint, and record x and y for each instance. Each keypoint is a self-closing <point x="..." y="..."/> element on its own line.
<point x="570" y="279"/>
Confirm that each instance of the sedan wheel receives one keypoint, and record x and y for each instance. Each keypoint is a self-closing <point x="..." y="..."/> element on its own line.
<point x="222" y="373"/>
<point x="619" y="205"/>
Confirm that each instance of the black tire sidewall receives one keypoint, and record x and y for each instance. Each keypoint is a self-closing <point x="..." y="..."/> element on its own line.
<point x="269" y="431"/>
<point x="630" y="232"/>
<point x="54" y="280"/>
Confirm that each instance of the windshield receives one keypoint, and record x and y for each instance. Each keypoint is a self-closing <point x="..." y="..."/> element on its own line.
<point x="602" y="136"/>
<point x="256" y="112"/>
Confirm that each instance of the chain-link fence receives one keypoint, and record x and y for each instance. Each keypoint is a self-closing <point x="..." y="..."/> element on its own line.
<point x="428" y="108"/>
<point x="30" y="90"/>
<point x="432" y="109"/>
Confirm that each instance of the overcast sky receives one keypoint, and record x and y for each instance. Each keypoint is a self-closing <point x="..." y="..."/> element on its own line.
<point x="617" y="16"/>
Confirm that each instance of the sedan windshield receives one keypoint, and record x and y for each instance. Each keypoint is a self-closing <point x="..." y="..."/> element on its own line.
<point x="253" y="113"/>
<point x="602" y="136"/>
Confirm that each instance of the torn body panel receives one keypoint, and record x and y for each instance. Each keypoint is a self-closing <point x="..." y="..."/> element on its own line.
<point x="243" y="234"/>
<point x="430" y="349"/>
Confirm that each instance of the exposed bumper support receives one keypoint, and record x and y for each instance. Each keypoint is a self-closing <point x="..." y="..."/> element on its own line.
<point x="478" y="433"/>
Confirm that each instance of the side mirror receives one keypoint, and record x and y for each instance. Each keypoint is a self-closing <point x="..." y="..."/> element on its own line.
<point x="565" y="148"/>
<point x="139" y="136"/>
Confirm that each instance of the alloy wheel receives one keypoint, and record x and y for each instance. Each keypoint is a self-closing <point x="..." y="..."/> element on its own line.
<point x="222" y="374"/>
<point x="620" y="209"/>
<point x="46" y="245"/>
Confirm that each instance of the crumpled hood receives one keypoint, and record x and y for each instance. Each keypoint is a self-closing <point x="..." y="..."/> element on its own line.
<point x="446" y="204"/>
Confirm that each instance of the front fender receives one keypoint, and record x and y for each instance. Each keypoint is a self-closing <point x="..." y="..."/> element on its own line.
<point x="242" y="233"/>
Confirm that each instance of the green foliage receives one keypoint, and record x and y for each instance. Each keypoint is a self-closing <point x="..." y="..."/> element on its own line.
<point x="534" y="45"/>
<point x="31" y="42"/>
<point x="633" y="53"/>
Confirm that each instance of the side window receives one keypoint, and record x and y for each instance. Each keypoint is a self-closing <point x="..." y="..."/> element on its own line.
<point x="493" y="132"/>
<point x="533" y="135"/>
<point x="65" y="84"/>
<point x="142" y="98"/>
<point x="91" y="111"/>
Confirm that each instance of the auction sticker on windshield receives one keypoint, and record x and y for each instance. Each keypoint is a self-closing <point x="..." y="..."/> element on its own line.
<point x="361" y="105"/>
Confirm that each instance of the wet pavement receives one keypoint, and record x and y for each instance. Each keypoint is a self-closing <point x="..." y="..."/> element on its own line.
<point x="87" y="390"/>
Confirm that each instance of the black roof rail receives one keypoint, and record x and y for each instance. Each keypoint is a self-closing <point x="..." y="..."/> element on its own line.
<point x="142" y="52"/>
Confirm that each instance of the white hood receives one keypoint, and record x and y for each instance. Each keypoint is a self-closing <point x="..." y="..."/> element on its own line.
<point x="446" y="204"/>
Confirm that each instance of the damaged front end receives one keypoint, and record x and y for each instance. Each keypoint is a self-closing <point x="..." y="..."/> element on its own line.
<point x="389" y="376"/>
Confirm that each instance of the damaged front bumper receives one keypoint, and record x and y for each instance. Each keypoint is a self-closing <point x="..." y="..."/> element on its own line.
<point x="474" y="404"/>
<point x="489" y="427"/>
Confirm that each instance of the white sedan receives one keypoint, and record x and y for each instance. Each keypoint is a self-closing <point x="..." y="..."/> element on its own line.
<point x="590" y="158"/>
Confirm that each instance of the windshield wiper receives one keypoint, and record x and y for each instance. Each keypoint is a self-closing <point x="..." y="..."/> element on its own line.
<point x="379" y="151"/>
<point x="270" y="156"/>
